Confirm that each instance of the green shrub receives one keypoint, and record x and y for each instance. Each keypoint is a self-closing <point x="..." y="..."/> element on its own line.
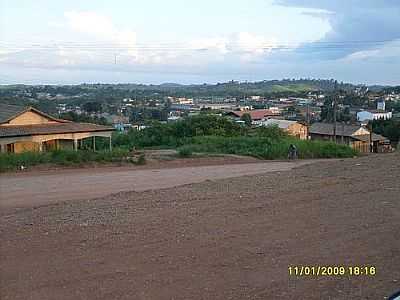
<point x="185" y="151"/>
<point x="11" y="161"/>
<point x="265" y="148"/>
<point x="141" y="160"/>
<point x="173" y="134"/>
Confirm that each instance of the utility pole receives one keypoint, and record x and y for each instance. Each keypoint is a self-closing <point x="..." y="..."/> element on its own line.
<point x="334" y="118"/>
<point x="334" y="112"/>
<point x="371" y="142"/>
<point x="342" y="132"/>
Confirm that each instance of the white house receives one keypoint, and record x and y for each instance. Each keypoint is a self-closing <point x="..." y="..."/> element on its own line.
<point x="369" y="115"/>
<point x="381" y="105"/>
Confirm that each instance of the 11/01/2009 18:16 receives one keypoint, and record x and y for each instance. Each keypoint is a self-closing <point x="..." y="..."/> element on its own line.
<point x="300" y="271"/>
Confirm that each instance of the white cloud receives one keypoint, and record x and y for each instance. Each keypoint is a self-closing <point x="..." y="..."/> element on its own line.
<point x="387" y="50"/>
<point x="254" y="44"/>
<point x="220" y="44"/>
<point x="246" y="45"/>
<point x="97" y="42"/>
<point x="91" y="23"/>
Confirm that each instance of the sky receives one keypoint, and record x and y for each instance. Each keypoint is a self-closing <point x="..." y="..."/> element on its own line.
<point x="208" y="41"/>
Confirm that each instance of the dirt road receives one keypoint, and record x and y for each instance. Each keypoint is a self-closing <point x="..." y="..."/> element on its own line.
<point x="230" y="238"/>
<point x="35" y="189"/>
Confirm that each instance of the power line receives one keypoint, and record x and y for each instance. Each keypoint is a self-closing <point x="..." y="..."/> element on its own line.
<point x="186" y="47"/>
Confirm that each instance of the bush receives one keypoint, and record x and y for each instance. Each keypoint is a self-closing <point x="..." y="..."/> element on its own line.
<point x="265" y="148"/>
<point x="185" y="151"/>
<point x="141" y="160"/>
<point x="10" y="161"/>
<point x="273" y="132"/>
<point x="174" y="134"/>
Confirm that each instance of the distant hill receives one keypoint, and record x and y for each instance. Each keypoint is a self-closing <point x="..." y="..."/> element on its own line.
<point x="171" y="85"/>
<point x="260" y="87"/>
<point x="48" y="95"/>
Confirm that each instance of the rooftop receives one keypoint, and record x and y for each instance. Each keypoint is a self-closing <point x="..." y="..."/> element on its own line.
<point x="366" y="138"/>
<point x="327" y="129"/>
<point x="375" y="111"/>
<point x="54" y="128"/>
<point x="256" y="114"/>
<point x="8" y="112"/>
<point x="283" y="124"/>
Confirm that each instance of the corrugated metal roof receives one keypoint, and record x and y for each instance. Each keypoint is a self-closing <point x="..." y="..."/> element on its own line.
<point x="257" y="114"/>
<point x="50" y="128"/>
<point x="366" y="138"/>
<point x="327" y="129"/>
<point x="283" y="124"/>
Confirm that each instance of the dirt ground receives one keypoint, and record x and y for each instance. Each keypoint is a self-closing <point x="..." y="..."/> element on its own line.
<point x="33" y="188"/>
<point x="220" y="239"/>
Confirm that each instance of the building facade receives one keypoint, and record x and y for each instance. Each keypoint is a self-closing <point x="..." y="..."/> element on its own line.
<point x="292" y="128"/>
<point x="370" y="115"/>
<point x="28" y="129"/>
<point x="356" y="137"/>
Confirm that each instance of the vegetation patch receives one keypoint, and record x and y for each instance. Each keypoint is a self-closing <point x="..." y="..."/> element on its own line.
<point x="208" y="134"/>
<point x="185" y="151"/>
<point x="219" y="135"/>
<point x="266" y="148"/>
<point x="11" y="161"/>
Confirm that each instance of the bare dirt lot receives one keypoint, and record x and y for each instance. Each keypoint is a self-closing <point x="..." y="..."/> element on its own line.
<point x="33" y="189"/>
<point x="222" y="239"/>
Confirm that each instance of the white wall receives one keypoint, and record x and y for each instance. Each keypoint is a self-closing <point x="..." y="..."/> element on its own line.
<point x="366" y="115"/>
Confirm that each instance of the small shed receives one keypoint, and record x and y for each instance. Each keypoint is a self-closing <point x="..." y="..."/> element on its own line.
<point x="355" y="136"/>
<point x="292" y="128"/>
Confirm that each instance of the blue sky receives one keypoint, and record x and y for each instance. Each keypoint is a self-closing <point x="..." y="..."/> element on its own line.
<point x="57" y="42"/>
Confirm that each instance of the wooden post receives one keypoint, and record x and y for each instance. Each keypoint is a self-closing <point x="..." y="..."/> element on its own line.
<point x="40" y="147"/>
<point x="110" y="144"/>
<point x="75" y="144"/>
<point x="94" y="143"/>
<point x="343" y="132"/>
<point x="334" y="113"/>
<point x="334" y="121"/>
<point x="371" y="142"/>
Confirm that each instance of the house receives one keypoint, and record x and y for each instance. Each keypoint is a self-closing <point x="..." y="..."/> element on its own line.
<point x="381" y="105"/>
<point x="369" y="115"/>
<point x="256" y="115"/>
<point x="377" y="114"/>
<point x="292" y="128"/>
<point x="28" y="129"/>
<point x="355" y="136"/>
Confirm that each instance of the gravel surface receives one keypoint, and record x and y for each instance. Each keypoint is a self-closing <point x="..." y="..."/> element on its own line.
<point x="221" y="239"/>
<point x="34" y="189"/>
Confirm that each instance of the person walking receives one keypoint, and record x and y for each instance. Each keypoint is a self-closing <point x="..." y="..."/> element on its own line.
<point x="293" y="154"/>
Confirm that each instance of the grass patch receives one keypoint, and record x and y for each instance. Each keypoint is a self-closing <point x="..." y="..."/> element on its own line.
<point x="265" y="148"/>
<point x="11" y="161"/>
<point x="141" y="160"/>
<point x="185" y="151"/>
